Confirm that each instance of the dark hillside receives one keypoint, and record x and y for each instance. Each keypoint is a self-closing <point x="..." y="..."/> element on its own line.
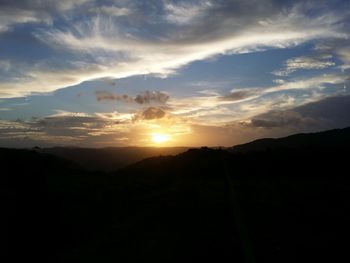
<point x="332" y="140"/>
<point x="280" y="204"/>
<point x="110" y="159"/>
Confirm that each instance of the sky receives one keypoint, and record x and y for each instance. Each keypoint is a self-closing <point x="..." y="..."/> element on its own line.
<point x="90" y="73"/>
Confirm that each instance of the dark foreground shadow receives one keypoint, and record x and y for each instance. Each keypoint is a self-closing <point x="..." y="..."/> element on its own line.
<point x="274" y="204"/>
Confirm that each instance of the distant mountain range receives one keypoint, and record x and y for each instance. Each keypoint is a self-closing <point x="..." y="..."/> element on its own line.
<point x="271" y="200"/>
<point x="112" y="158"/>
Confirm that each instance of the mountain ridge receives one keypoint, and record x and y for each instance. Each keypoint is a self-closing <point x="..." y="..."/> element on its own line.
<point x="332" y="139"/>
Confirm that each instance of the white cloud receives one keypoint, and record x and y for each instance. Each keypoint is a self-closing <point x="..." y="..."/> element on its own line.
<point x="279" y="81"/>
<point x="185" y="12"/>
<point x="344" y="55"/>
<point x="116" y="116"/>
<point x="110" y="10"/>
<point x="302" y="63"/>
<point x="30" y="11"/>
<point x="5" y="109"/>
<point x="109" y="49"/>
<point x="5" y="65"/>
<point x="21" y="17"/>
<point x="309" y="83"/>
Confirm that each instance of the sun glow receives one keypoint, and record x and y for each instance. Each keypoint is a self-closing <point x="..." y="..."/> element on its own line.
<point x="160" y="137"/>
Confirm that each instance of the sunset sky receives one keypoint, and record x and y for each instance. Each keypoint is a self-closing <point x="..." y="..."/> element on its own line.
<point x="171" y="73"/>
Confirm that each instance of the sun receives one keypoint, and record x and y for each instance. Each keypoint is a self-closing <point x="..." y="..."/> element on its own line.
<point x="160" y="137"/>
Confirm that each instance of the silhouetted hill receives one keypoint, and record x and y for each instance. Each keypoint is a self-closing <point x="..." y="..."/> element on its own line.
<point x="46" y="202"/>
<point x="110" y="159"/>
<point x="284" y="204"/>
<point x="333" y="139"/>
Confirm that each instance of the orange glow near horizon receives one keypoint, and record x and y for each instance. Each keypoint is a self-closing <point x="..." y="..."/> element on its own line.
<point x="160" y="138"/>
<point x="165" y="133"/>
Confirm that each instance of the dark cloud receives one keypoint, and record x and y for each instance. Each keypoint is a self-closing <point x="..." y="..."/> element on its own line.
<point x="91" y="131"/>
<point x="151" y="96"/>
<point x="60" y="125"/>
<point x="329" y="113"/>
<point x="153" y="113"/>
<point x="107" y="95"/>
<point x="150" y="113"/>
<point x="68" y="121"/>
<point x="285" y="118"/>
<point x="334" y="111"/>
<point x="145" y="98"/>
<point x="68" y="125"/>
<point x="61" y="129"/>
<point x="238" y="95"/>
<point x="111" y="82"/>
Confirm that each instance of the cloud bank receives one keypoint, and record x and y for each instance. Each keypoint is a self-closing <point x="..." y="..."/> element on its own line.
<point x="113" y="128"/>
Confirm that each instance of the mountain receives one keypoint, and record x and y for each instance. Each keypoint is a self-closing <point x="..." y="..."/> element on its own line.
<point x="112" y="158"/>
<point x="333" y="139"/>
<point x="287" y="202"/>
<point x="284" y="203"/>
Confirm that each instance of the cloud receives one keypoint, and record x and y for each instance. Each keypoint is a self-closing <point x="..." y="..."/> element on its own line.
<point x="21" y="16"/>
<point x="107" y="95"/>
<point x="279" y="81"/>
<point x="43" y="78"/>
<point x="328" y="113"/>
<point x="66" y="128"/>
<point x="121" y="129"/>
<point x="5" y="65"/>
<point x="145" y="98"/>
<point x="108" y="46"/>
<point x="333" y="111"/>
<point x="32" y="11"/>
<point x="112" y="41"/>
<point x="313" y="85"/>
<point x="339" y="47"/>
<point x="116" y="117"/>
<point x="317" y="81"/>
<point x="90" y="130"/>
<point x="68" y="124"/>
<point x="151" y="96"/>
<point x="302" y="63"/>
<point x="344" y="55"/>
<point x="110" y="10"/>
<point x="185" y="12"/>
<point x="152" y="113"/>
<point x="280" y="119"/>
<point x="247" y="102"/>
<point x="240" y="94"/>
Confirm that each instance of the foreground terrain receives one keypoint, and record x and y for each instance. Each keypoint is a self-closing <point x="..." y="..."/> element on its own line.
<point x="272" y="200"/>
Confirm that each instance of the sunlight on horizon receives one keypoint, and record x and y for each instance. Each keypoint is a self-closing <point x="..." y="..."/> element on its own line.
<point x="159" y="138"/>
